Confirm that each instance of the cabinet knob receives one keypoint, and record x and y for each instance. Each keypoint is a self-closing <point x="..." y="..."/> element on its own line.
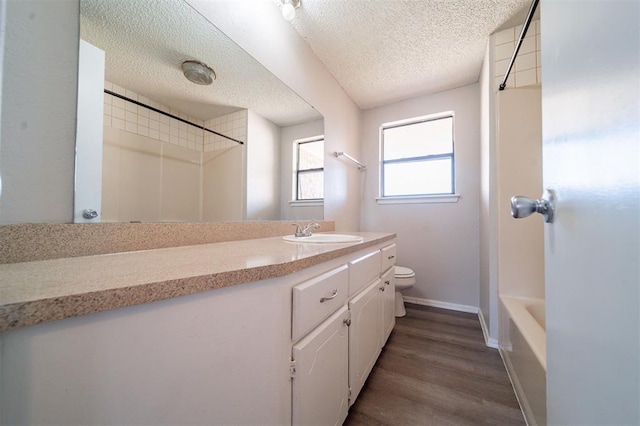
<point x="381" y="288"/>
<point x="387" y="282"/>
<point x="347" y="321"/>
<point x="391" y="257"/>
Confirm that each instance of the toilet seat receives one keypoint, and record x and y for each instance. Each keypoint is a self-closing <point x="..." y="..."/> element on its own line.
<point x="402" y="272"/>
<point x="404" y="277"/>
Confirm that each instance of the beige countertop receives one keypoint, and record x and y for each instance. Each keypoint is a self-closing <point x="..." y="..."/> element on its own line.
<point x="47" y="290"/>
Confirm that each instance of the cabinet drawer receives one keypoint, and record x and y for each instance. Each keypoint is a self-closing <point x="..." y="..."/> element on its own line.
<point x="363" y="270"/>
<point x="316" y="299"/>
<point x="388" y="257"/>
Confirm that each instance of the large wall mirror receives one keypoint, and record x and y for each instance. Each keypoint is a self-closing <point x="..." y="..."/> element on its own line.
<point x="172" y="150"/>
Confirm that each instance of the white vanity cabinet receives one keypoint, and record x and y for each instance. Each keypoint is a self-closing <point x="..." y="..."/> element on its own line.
<point x="279" y="350"/>
<point x="330" y="361"/>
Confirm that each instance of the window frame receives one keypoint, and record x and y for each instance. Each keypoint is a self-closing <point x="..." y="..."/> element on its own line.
<point x="418" y="198"/>
<point x="297" y="171"/>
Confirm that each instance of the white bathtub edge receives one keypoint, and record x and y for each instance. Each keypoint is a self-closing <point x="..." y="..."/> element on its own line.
<point x="518" y="390"/>
<point x="533" y="333"/>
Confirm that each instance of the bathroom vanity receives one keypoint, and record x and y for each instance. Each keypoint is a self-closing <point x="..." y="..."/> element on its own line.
<point x="243" y="332"/>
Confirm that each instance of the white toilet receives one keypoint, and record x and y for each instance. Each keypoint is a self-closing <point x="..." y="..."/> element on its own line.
<point x="404" y="278"/>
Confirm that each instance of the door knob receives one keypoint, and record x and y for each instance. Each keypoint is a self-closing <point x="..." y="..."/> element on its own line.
<point x="89" y="214"/>
<point x="525" y="206"/>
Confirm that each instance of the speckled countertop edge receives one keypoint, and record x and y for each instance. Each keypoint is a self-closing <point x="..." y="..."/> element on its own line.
<point x="36" y="292"/>
<point x="29" y="242"/>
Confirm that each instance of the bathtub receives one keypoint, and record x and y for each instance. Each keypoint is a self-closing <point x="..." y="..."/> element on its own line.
<point x="523" y="346"/>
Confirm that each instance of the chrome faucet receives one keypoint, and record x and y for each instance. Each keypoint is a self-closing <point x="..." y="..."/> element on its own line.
<point x="305" y="231"/>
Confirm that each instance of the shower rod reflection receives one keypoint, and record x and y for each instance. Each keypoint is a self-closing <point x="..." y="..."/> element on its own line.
<point x="117" y="95"/>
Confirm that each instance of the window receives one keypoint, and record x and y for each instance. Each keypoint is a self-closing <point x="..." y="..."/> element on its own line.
<point x="309" y="170"/>
<point x="417" y="157"/>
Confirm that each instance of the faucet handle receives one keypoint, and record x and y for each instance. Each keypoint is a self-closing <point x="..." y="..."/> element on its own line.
<point x="307" y="229"/>
<point x="313" y="225"/>
<point x="299" y="230"/>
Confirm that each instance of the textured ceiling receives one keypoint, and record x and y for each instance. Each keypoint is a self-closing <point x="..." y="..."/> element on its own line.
<point x="382" y="51"/>
<point x="146" y="41"/>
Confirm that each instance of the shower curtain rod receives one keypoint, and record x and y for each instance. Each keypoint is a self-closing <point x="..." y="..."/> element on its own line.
<point x="523" y="33"/>
<point x="117" y="95"/>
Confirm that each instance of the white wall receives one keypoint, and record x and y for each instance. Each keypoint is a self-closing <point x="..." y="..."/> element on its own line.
<point x="439" y="241"/>
<point x="217" y="166"/>
<point x="257" y="26"/>
<point x="520" y="242"/>
<point x="263" y="168"/>
<point x="289" y="135"/>
<point x="40" y="68"/>
<point x="3" y="36"/>
<point x="148" y="180"/>
<point x="527" y="71"/>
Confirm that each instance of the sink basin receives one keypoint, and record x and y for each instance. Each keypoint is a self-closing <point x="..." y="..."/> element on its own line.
<point x="324" y="239"/>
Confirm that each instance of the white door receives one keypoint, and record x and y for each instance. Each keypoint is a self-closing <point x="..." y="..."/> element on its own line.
<point x="591" y="158"/>
<point x="320" y="385"/>
<point x="89" y="139"/>
<point x="365" y="335"/>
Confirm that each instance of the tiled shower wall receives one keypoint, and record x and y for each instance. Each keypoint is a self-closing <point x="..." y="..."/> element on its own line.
<point x="233" y="125"/>
<point x="157" y="168"/>
<point x="132" y="118"/>
<point x="527" y="69"/>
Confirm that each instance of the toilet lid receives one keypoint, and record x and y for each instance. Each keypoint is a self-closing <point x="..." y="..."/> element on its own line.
<point x="402" y="272"/>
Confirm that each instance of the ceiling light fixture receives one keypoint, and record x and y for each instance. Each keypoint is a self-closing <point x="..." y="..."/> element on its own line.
<point x="289" y="9"/>
<point x="198" y="72"/>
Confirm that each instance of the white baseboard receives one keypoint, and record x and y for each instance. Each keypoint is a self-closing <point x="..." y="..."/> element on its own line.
<point x="488" y="340"/>
<point x="439" y="304"/>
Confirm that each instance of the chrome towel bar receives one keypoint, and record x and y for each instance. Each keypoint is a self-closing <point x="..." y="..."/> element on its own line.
<point x="347" y="156"/>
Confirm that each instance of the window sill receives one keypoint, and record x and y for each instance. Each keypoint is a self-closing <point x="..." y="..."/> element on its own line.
<point x="419" y="199"/>
<point x="306" y="203"/>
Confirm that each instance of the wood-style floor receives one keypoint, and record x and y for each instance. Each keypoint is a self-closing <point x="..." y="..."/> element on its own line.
<point x="436" y="370"/>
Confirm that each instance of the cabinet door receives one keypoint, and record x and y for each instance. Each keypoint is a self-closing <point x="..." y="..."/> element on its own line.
<point x="365" y="335"/>
<point x="388" y="304"/>
<point x="320" y="385"/>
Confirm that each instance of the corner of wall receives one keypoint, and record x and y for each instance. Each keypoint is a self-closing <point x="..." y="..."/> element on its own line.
<point x="281" y="50"/>
<point x="488" y="196"/>
<point x="35" y="137"/>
